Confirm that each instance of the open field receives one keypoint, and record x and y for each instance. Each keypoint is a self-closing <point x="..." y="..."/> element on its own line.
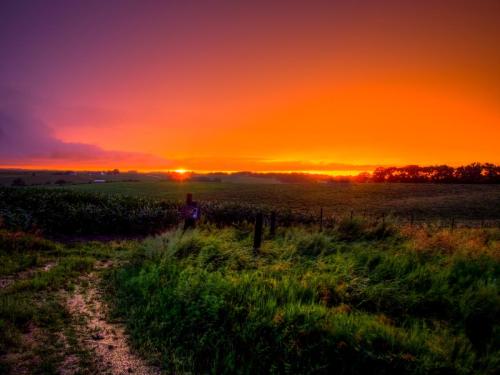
<point x="362" y="296"/>
<point x="355" y="299"/>
<point x="424" y="201"/>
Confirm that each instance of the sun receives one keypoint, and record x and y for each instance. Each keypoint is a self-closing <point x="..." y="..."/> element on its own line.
<point x="181" y="174"/>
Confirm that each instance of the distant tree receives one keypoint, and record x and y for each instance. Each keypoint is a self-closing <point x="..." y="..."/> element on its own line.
<point x="443" y="173"/>
<point x="490" y="173"/>
<point x="411" y="173"/>
<point x="60" y="182"/>
<point x="362" y="177"/>
<point x="470" y="174"/>
<point x="379" y="175"/>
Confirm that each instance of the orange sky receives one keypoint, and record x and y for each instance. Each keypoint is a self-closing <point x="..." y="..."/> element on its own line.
<point x="311" y="86"/>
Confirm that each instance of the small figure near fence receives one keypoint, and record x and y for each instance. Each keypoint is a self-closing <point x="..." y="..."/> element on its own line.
<point x="190" y="212"/>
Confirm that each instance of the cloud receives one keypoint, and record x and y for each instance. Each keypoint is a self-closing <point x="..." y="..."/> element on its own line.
<point x="27" y="140"/>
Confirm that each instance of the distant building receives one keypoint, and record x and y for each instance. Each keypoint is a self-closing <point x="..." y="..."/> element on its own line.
<point x="99" y="181"/>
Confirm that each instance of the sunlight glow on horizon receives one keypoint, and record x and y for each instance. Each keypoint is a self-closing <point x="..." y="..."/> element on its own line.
<point x="324" y="87"/>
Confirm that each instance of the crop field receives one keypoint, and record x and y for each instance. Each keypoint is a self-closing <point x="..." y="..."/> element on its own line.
<point x="471" y="203"/>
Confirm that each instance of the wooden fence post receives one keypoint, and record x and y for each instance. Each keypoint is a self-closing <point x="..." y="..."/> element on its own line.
<point x="321" y="219"/>
<point x="257" y="238"/>
<point x="452" y="225"/>
<point x="411" y="219"/>
<point x="352" y="214"/>
<point x="272" y="229"/>
<point x="191" y="212"/>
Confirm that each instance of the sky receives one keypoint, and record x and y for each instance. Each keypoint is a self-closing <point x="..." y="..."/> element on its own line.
<point x="332" y="86"/>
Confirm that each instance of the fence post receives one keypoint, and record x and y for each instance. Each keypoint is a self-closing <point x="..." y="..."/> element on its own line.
<point x="352" y="214"/>
<point x="190" y="212"/>
<point x="321" y="219"/>
<point x="452" y="225"/>
<point x="411" y="219"/>
<point x="257" y="238"/>
<point x="272" y="229"/>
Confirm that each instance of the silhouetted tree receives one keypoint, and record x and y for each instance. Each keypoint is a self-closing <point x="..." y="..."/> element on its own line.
<point x="474" y="173"/>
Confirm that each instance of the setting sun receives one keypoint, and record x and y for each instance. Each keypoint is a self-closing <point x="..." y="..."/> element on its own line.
<point x="181" y="171"/>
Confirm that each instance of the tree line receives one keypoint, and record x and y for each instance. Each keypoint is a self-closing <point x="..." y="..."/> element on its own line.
<point x="475" y="173"/>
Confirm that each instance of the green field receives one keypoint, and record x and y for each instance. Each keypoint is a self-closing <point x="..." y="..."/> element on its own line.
<point x="424" y="201"/>
<point x="356" y="299"/>
<point x="361" y="296"/>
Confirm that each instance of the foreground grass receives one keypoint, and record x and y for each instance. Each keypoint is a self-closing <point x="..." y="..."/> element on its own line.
<point x="355" y="299"/>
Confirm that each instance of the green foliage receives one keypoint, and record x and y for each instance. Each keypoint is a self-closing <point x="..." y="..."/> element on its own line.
<point x="201" y="302"/>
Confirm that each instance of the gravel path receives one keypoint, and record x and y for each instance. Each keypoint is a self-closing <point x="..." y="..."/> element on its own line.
<point x="106" y="339"/>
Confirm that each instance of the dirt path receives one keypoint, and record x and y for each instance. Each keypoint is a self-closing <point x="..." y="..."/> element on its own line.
<point x="105" y="339"/>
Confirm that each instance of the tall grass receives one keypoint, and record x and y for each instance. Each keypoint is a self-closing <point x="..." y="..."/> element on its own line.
<point x="354" y="299"/>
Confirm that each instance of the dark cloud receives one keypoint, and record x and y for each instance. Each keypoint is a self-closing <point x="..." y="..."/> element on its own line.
<point x="27" y="140"/>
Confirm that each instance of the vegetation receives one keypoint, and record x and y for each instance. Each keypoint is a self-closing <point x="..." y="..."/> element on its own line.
<point x="354" y="299"/>
<point x="35" y="331"/>
<point x="365" y="295"/>
<point x="475" y="173"/>
<point x="38" y="335"/>
<point x="426" y="202"/>
<point x="73" y="213"/>
<point x="141" y="209"/>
